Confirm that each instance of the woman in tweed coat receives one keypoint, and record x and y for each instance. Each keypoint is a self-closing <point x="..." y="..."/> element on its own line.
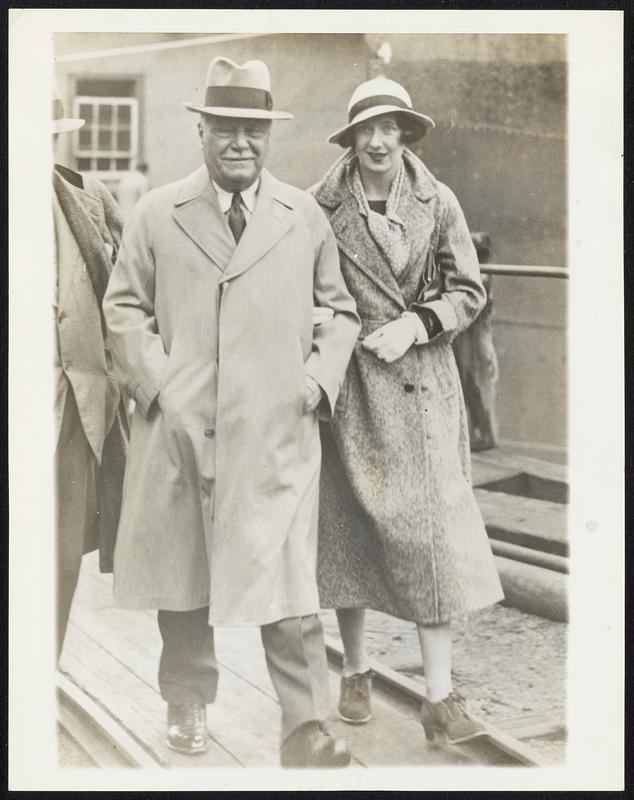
<point x="400" y="531"/>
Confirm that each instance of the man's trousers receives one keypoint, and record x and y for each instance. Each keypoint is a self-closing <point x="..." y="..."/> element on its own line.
<point x="76" y="495"/>
<point x="295" y="657"/>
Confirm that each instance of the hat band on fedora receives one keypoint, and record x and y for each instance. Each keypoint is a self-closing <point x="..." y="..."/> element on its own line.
<point x="376" y="100"/>
<point x="238" y="97"/>
<point x="58" y="108"/>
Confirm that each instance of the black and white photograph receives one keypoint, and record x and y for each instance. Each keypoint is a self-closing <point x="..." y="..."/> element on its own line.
<point x="315" y="408"/>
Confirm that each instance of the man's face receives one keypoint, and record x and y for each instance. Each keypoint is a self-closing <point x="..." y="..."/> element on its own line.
<point x="234" y="149"/>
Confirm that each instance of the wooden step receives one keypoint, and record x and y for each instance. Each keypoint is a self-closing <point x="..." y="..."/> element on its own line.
<point x="537" y="524"/>
<point x="520" y="475"/>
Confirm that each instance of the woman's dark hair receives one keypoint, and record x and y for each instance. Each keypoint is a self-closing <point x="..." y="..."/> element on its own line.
<point x="409" y="131"/>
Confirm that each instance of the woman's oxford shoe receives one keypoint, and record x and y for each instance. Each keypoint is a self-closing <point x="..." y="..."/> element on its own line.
<point x="449" y="718"/>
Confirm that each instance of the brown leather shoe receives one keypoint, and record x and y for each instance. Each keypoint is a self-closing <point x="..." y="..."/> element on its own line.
<point x="187" y="728"/>
<point x="311" y="745"/>
<point x="354" y="701"/>
<point x="449" y="717"/>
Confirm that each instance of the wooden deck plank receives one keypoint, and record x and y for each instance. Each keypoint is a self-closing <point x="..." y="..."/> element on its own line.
<point x="132" y="703"/>
<point x="391" y="738"/>
<point x="245" y="717"/>
<point x="521" y="520"/>
<point x="244" y="721"/>
<point x="102" y="738"/>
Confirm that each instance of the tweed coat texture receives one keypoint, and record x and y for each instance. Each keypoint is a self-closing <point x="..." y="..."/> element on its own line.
<point x="88" y="233"/>
<point x="399" y="527"/>
<point x="214" y="341"/>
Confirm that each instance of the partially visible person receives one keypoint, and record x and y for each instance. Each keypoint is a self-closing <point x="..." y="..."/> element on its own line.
<point x="399" y="530"/>
<point x="90" y="417"/>
<point x="132" y="186"/>
<point x="477" y="362"/>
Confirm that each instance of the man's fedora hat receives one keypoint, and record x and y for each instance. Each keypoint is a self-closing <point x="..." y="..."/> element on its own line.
<point x="380" y="96"/>
<point x="62" y="124"/>
<point x="238" y="90"/>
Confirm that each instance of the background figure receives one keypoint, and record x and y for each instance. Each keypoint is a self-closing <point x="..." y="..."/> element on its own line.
<point x="399" y="528"/>
<point x="90" y="415"/>
<point x="477" y="362"/>
<point x="132" y="186"/>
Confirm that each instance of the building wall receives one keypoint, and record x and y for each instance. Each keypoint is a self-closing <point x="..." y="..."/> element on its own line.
<point x="169" y="142"/>
<point x="499" y="103"/>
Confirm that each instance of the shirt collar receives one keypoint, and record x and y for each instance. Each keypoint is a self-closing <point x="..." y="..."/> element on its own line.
<point x="248" y="196"/>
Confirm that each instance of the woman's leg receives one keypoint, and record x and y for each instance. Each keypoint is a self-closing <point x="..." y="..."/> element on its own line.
<point x="356" y="680"/>
<point x="443" y="711"/>
<point x="352" y="628"/>
<point x="435" y="645"/>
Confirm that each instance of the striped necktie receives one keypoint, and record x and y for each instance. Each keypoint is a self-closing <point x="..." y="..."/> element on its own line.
<point x="236" y="219"/>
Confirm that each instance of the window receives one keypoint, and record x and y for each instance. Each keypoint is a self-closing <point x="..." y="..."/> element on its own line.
<point x="108" y="141"/>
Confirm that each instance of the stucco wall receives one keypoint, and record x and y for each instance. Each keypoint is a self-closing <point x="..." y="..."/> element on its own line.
<point x="312" y="77"/>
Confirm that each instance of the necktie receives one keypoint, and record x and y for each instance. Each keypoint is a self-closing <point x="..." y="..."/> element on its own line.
<point x="236" y="219"/>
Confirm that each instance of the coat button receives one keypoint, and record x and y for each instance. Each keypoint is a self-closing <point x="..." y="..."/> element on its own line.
<point x="209" y="433"/>
<point x="409" y="387"/>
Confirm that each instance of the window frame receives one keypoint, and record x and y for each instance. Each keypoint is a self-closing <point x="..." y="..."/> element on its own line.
<point x="94" y="153"/>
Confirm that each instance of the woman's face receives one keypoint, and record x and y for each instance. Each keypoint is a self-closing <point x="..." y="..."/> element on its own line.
<point x="377" y="144"/>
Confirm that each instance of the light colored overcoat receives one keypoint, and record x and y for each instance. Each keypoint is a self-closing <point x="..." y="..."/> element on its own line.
<point x="400" y="530"/>
<point x="213" y="341"/>
<point x="87" y="235"/>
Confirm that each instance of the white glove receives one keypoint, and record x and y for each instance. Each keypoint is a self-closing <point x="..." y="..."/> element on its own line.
<point x="392" y="340"/>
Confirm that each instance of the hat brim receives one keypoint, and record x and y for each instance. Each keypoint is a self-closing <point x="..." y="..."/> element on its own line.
<point x="238" y="113"/>
<point x="67" y="124"/>
<point x="422" y="123"/>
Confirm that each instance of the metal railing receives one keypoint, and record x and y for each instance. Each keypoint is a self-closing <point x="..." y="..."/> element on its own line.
<point x="519" y="271"/>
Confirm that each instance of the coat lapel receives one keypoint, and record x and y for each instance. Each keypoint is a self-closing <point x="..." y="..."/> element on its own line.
<point x="199" y="215"/>
<point x="85" y="216"/>
<point x="420" y="222"/>
<point x="354" y="240"/>
<point x="272" y="218"/>
<point x="350" y="229"/>
<point x="68" y="255"/>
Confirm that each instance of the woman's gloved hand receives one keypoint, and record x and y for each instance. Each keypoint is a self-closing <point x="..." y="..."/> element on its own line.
<point x="393" y="340"/>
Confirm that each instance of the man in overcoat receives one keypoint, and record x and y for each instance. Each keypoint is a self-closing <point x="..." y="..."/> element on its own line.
<point x="209" y="311"/>
<point x="91" y="424"/>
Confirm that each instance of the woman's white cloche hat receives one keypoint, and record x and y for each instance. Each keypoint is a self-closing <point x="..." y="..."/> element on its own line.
<point x="238" y="90"/>
<point x="380" y="96"/>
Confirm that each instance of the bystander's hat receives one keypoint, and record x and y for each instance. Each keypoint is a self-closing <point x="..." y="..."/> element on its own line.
<point x="62" y="124"/>
<point x="381" y="96"/>
<point x="238" y="90"/>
